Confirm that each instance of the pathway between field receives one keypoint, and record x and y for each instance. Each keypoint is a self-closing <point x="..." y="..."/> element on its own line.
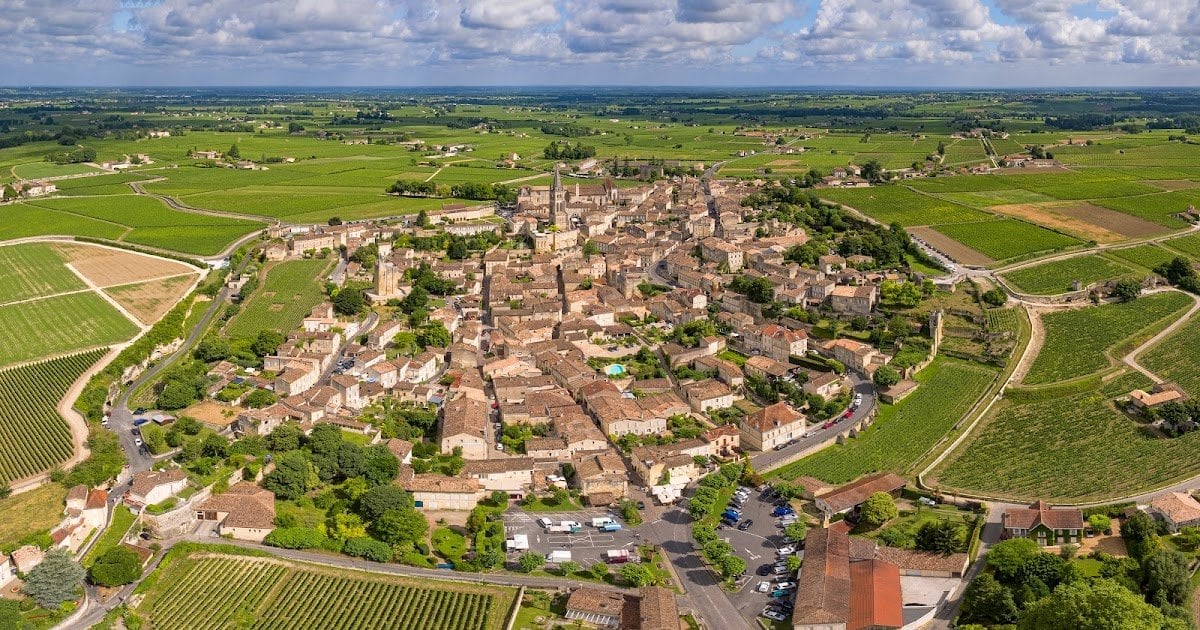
<point x="108" y="298"/>
<point x="1131" y="358"/>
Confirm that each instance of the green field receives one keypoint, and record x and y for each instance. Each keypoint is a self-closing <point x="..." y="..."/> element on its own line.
<point x="903" y="432"/>
<point x="1056" y="276"/>
<point x="1189" y="245"/>
<point x="986" y="198"/>
<point x="1069" y="448"/>
<point x="29" y="270"/>
<point x="33" y="437"/>
<point x="287" y="295"/>
<point x="116" y="184"/>
<point x="897" y="204"/>
<point x="19" y="220"/>
<point x="1176" y="357"/>
<point x="1144" y="256"/>
<point x="152" y="223"/>
<point x="38" y="170"/>
<point x="1078" y="341"/>
<point x="215" y="591"/>
<point x="1160" y="207"/>
<point x="60" y="324"/>
<point x="1007" y="239"/>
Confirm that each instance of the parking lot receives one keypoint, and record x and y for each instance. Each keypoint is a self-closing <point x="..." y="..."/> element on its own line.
<point x="757" y="546"/>
<point x="587" y="546"/>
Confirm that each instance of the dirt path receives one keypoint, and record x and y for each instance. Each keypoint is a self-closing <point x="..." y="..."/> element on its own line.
<point x="1131" y="358"/>
<point x="1037" y="338"/>
<point x="108" y="298"/>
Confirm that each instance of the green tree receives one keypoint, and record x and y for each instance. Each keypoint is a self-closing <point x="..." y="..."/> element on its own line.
<point x="349" y="301"/>
<point x="794" y="563"/>
<point x="369" y="548"/>
<point x="212" y="349"/>
<point x="1100" y="523"/>
<point x="731" y="566"/>
<point x="267" y="342"/>
<point x="1138" y="531"/>
<point x="530" y="562"/>
<point x="944" y="537"/>
<point x="1098" y="604"/>
<point x="598" y="570"/>
<point x="260" y="398"/>
<point x="1127" y="290"/>
<point x="1008" y="556"/>
<point x="988" y="602"/>
<point x="457" y="249"/>
<point x="878" y="509"/>
<point x="283" y="438"/>
<point x="381" y="499"/>
<point x="590" y="248"/>
<point x="119" y="565"/>
<point x="397" y="527"/>
<point x="176" y="394"/>
<point x="1166" y="577"/>
<point x="294" y="475"/>
<point x="155" y="439"/>
<point x="569" y="567"/>
<point x="994" y="297"/>
<point x="796" y="531"/>
<point x="10" y="193"/>
<point x="55" y="580"/>
<point x="434" y="334"/>
<point x="636" y="574"/>
<point x="885" y="376"/>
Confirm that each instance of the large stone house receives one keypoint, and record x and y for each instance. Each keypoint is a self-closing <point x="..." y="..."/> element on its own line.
<point x="439" y="492"/>
<point x="858" y="300"/>
<point x="464" y="425"/>
<point x="771" y="426"/>
<point x="1176" y="510"/>
<point x="1046" y="525"/>
<point x="244" y="511"/>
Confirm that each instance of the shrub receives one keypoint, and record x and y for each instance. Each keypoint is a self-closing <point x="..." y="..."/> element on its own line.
<point x="295" y="538"/>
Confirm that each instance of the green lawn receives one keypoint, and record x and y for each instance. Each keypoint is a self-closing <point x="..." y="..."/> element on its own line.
<point x="903" y="432"/>
<point x="1077" y="341"/>
<point x="449" y="544"/>
<point x="287" y="295"/>
<point x="29" y="513"/>
<point x="122" y="519"/>
<point x="1057" y="276"/>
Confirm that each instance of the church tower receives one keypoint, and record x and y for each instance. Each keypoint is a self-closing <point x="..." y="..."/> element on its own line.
<point x="558" y="201"/>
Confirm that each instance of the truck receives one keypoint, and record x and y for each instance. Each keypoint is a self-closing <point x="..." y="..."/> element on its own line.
<point x="616" y="556"/>
<point x="519" y="542"/>
<point x="601" y="521"/>
<point x="564" y="528"/>
<point x="558" y="556"/>
<point x="611" y="526"/>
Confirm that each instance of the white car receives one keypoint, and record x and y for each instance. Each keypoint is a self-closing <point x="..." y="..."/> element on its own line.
<point x="785" y="551"/>
<point x="774" y="615"/>
<point x="763" y="587"/>
<point x="785" y="584"/>
<point x="137" y="441"/>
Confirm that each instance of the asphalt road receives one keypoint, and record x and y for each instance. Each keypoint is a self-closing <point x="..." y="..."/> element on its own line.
<point x="772" y="459"/>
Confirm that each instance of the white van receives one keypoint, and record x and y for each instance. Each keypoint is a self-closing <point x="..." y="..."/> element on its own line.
<point x="545" y="522"/>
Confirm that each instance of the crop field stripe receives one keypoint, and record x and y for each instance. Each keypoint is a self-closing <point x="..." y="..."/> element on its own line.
<point x="29" y="270"/>
<point x="286" y="280"/>
<point x="60" y="324"/>
<point x="1176" y="358"/>
<point x="1056" y="276"/>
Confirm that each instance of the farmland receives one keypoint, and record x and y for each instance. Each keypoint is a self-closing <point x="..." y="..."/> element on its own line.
<point x="59" y="324"/>
<point x="1144" y="256"/>
<point x="1160" y="208"/>
<point x="905" y="431"/>
<point x="1176" y="357"/>
<point x="147" y="221"/>
<point x="33" y="437"/>
<point x="1189" y="245"/>
<point x="1078" y="341"/>
<point x="287" y="295"/>
<point x="896" y="204"/>
<point x="1068" y="448"/>
<point x="1007" y="239"/>
<point x="148" y="301"/>
<point x="1057" y="276"/>
<point x="205" y="590"/>
<point x="33" y="269"/>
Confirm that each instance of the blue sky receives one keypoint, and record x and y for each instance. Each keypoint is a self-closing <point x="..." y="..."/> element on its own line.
<point x="893" y="43"/>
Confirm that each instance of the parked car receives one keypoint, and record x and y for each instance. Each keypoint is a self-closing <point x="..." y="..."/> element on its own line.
<point x="744" y="525"/>
<point x="763" y="587"/>
<point x="783" y="510"/>
<point x="780" y="447"/>
<point x="828" y="423"/>
<point x="774" y="615"/>
<point x="927" y="501"/>
<point x="764" y="570"/>
<point x="786" y="584"/>
<point x="780" y="593"/>
<point x="786" y="550"/>
<point x="137" y="441"/>
<point x="139" y="411"/>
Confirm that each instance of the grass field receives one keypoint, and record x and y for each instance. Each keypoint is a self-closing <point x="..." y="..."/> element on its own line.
<point x="29" y="270"/>
<point x="888" y="204"/>
<point x="33" y="437"/>
<point x="152" y="223"/>
<point x="1069" y="448"/>
<point x="59" y="324"/>
<point x="1056" y="276"/>
<point x="24" y="220"/>
<point x="1077" y="341"/>
<point x="903" y="432"/>
<point x="30" y="512"/>
<point x="148" y="301"/>
<point x="1007" y="239"/>
<point x="286" y="296"/>
<point x="203" y="591"/>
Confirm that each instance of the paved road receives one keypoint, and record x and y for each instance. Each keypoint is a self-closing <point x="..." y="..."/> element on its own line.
<point x="769" y="460"/>
<point x="988" y="537"/>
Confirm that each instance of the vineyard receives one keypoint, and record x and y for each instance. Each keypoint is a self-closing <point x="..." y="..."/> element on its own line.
<point x="1176" y="357"/>
<point x="904" y="431"/>
<point x="218" y="591"/>
<point x="888" y="204"/>
<point x="1077" y="341"/>
<point x="1069" y="448"/>
<point x="33" y="437"/>
<point x="32" y="270"/>
<point x="1005" y="239"/>
<point x="1057" y="276"/>
<point x="58" y="324"/>
<point x="288" y="294"/>
<point x="1145" y="256"/>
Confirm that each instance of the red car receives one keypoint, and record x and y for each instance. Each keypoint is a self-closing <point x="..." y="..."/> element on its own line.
<point x="827" y="424"/>
<point x="849" y="412"/>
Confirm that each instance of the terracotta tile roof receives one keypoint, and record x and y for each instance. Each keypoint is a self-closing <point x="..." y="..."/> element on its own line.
<point x="77" y="493"/>
<point x="823" y="593"/>
<point x="400" y="448"/>
<point x="777" y="415"/>
<point x="464" y="415"/>
<point x="440" y="483"/>
<point x="1177" y="507"/>
<point x="247" y="505"/>
<point x="97" y="499"/>
<point x="875" y="596"/>
<point x="144" y="482"/>
<point x="916" y="560"/>
<point x="1040" y="513"/>
<point x="595" y="601"/>
<point x="502" y="465"/>
<point x="856" y="492"/>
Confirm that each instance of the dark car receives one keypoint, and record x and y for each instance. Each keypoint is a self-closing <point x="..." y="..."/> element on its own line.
<point x="139" y="411"/>
<point x="744" y="525"/>
<point x="764" y="570"/>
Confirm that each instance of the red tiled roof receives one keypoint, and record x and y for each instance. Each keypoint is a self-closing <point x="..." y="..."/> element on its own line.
<point x="1040" y="513"/>
<point x="823" y="593"/>
<point x="856" y="492"/>
<point x="875" y="597"/>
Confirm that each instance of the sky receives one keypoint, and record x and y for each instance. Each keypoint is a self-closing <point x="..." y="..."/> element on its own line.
<point x="727" y="43"/>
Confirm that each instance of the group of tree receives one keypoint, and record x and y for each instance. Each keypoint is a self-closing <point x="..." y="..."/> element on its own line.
<point x="1179" y="272"/>
<point x="1176" y="418"/>
<point x="73" y="156"/>
<point x="566" y="151"/>
<point x="1037" y="589"/>
<point x="757" y="289"/>
<point x="483" y="191"/>
<point x="414" y="188"/>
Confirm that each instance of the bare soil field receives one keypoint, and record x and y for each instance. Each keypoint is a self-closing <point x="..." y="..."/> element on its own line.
<point x="107" y="267"/>
<point x="149" y="301"/>
<point x="1082" y="220"/>
<point x="951" y="247"/>
<point x="211" y="413"/>
<point x="1173" y="184"/>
